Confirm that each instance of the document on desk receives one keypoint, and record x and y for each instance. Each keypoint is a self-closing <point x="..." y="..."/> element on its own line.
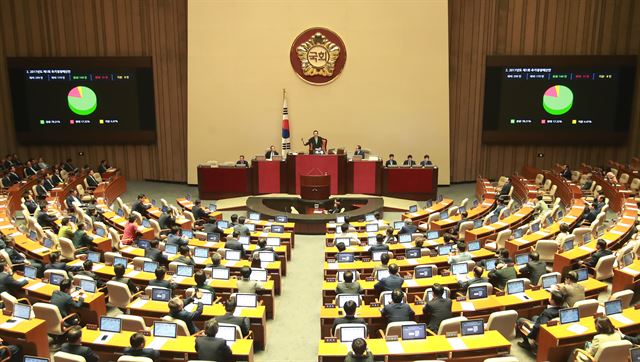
<point x="467" y="306"/>
<point x="157" y="343"/>
<point x="238" y="311"/>
<point x="210" y="244"/>
<point x="412" y="261"/>
<point x="630" y="271"/>
<point x="36" y="286"/>
<point x="621" y="318"/>
<point x="577" y="328"/>
<point x="616" y="232"/>
<point x="230" y="263"/>
<point x="177" y="279"/>
<point x="97" y="267"/>
<point x="410" y="283"/>
<point x="8" y="226"/>
<point x="332" y="266"/>
<point x="587" y="248"/>
<point x="128" y="249"/>
<point x="457" y="343"/>
<point x="132" y="274"/>
<point x="40" y="250"/>
<point x="395" y="347"/>
<point x="9" y="325"/>
<point x="139" y="303"/>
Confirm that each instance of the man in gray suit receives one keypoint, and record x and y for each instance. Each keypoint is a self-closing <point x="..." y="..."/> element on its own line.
<point x="534" y="268"/>
<point x="390" y="283"/>
<point x="241" y="228"/>
<point x="349" y="286"/>
<point x="408" y="227"/>
<point x="232" y="242"/>
<point x="397" y="311"/>
<point x="350" y="311"/>
<point x="229" y="318"/>
<point x="477" y="278"/>
<point x="437" y="309"/>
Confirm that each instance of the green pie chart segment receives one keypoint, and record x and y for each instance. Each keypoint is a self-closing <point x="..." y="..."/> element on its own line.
<point x="557" y="100"/>
<point x="82" y="100"/>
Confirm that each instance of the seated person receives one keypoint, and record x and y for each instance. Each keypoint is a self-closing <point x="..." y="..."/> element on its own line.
<point x="30" y="203"/>
<point x="41" y="191"/>
<point x="13" y="350"/>
<point x="534" y="268"/>
<point x="408" y="227"/>
<point x="74" y="345"/>
<point x="91" y="180"/>
<point x="349" y="286"/>
<point x="409" y="161"/>
<point x="246" y="285"/>
<point x="503" y="256"/>
<point x="477" y="278"/>
<point x="103" y="166"/>
<point x="167" y="219"/>
<point x="131" y="231"/>
<point x="140" y="206"/>
<point x="358" y="151"/>
<point x="601" y="250"/>
<point x="159" y="280"/>
<point x="586" y="186"/>
<point x="506" y="188"/>
<point x="230" y="318"/>
<point x="389" y="238"/>
<point x="87" y="270"/>
<point x="232" y="243"/>
<point x="384" y="263"/>
<point x="556" y="300"/>
<point x="185" y="255"/>
<point x="81" y="239"/>
<point x="463" y="218"/>
<point x="272" y="152"/>
<point x="211" y="226"/>
<point x="461" y="254"/>
<point x="379" y="245"/>
<point x="397" y="311"/>
<point x="64" y="301"/>
<point x="55" y="263"/>
<point x="155" y="254"/>
<point x="201" y="282"/>
<point x="571" y="290"/>
<point x="242" y="162"/>
<point x="66" y="228"/>
<point x="390" y="283"/>
<point x="175" y="236"/>
<point x="541" y="206"/>
<point x="119" y="277"/>
<point x="45" y="219"/>
<point x="564" y="232"/>
<point x="199" y="212"/>
<point x="137" y="348"/>
<point x="345" y="233"/>
<point x="391" y="161"/>
<point x="241" y="228"/>
<point x="336" y="208"/>
<point x="437" y="309"/>
<point x="349" y="308"/>
<point x="359" y="352"/>
<point x="7" y="282"/>
<point x="211" y="348"/>
<point x="502" y="274"/>
<point x="426" y="161"/>
<point x="605" y="332"/>
<point x="176" y="311"/>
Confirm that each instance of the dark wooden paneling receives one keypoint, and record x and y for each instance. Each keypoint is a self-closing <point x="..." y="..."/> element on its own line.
<point x="530" y="27"/>
<point x="156" y="28"/>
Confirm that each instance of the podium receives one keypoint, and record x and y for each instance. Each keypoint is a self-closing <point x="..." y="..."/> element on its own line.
<point x="314" y="187"/>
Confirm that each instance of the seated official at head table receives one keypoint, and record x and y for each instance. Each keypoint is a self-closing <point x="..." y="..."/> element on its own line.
<point x="409" y="161"/>
<point x="358" y="151"/>
<point x="242" y="162"/>
<point x="426" y="161"/>
<point x="272" y="152"/>
<point x="391" y="161"/>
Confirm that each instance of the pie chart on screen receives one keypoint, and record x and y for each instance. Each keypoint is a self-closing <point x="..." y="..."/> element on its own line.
<point x="82" y="100"/>
<point x="557" y="100"/>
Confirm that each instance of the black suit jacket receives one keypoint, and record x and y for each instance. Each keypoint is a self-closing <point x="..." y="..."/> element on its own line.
<point x="65" y="302"/>
<point x="399" y="312"/>
<point x="390" y="163"/>
<point x="166" y="221"/>
<point x="315" y="142"/>
<point x="596" y="256"/>
<point x="14" y="176"/>
<point x="92" y="182"/>
<point x="389" y="283"/>
<point x="506" y="188"/>
<point x="534" y="269"/>
<point x="188" y="317"/>
<point x="29" y="171"/>
<point x="161" y="284"/>
<point x="233" y="244"/>
<point x="358" y="153"/>
<point x="426" y="163"/>
<point x="156" y="255"/>
<point x="9" y="284"/>
<point x="346" y="320"/>
<point x="409" y="163"/>
<point x="243" y="162"/>
<point x="269" y="154"/>
<point x="41" y="190"/>
<point x="213" y="349"/>
<point x="437" y="310"/>
<point x="408" y="229"/>
<point x="83" y="351"/>
<point x="199" y="213"/>
<point x="46" y="220"/>
<point x="142" y="352"/>
<point x="48" y="184"/>
<point x="241" y="322"/>
<point x="544" y="317"/>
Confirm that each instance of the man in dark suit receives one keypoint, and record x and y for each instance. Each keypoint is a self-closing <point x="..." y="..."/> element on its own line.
<point x="41" y="191"/>
<point x="30" y="203"/>
<point x="55" y="263"/>
<point x="211" y="348"/>
<point x="56" y="178"/>
<point x="315" y="143"/>
<point x="349" y="316"/>
<point x="103" y="166"/>
<point x="159" y="280"/>
<point x="71" y="199"/>
<point x="390" y="283"/>
<point x="119" y="277"/>
<point x="154" y="253"/>
<point x="29" y="170"/>
<point x="463" y="218"/>
<point x="391" y="161"/>
<point x="229" y="318"/>
<point x="358" y="151"/>
<point x="6" y="180"/>
<point x="408" y="227"/>
<point x="63" y="300"/>
<point x="349" y="286"/>
<point x="601" y="250"/>
<point x="74" y="345"/>
<point x="437" y="309"/>
<point x="534" y="268"/>
<point x="409" y="161"/>
<point x="426" y="161"/>
<point x="175" y="237"/>
<point x="272" y="152"/>
<point x="140" y="206"/>
<point x="556" y="300"/>
<point x="7" y="282"/>
<point x="242" y="162"/>
<point x="199" y="212"/>
<point x="397" y="311"/>
<point x="211" y="226"/>
<point x="241" y="228"/>
<point x="45" y="220"/>
<point x="501" y="275"/>
<point x="87" y="270"/>
<point x="477" y="278"/>
<point x="68" y="166"/>
<point x="176" y="310"/>
<point x="166" y="219"/>
<point x="137" y="348"/>
<point x="586" y="186"/>
<point x="506" y="188"/>
<point x="13" y="175"/>
<point x="81" y="239"/>
<point x="379" y="245"/>
<point x="232" y="242"/>
<point x="91" y="180"/>
<point x="566" y="172"/>
<point x="47" y="182"/>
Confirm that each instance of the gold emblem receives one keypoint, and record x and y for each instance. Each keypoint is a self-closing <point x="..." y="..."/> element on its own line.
<point x="318" y="56"/>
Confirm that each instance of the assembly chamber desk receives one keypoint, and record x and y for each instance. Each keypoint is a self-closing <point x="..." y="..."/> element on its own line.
<point x="358" y="176"/>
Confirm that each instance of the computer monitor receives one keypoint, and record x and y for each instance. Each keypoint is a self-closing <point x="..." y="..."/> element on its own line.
<point x="341" y="299"/>
<point x="569" y="315"/>
<point x="535" y="227"/>
<point x="549" y="281"/>
<point x="100" y="232"/>
<point x="30" y="272"/>
<point x="549" y="220"/>
<point x="413" y="208"/>
<point x="33" y="236"/>
<point x="472" y="327"/>
<point x="35" y="359"/>
<point x="273" y="241"/>
<point x="404" y="238"/>
<point x="48" y="243"/>
<point x="381" y="274"/>
<point x="627" y="259"/>
<point x="233" y="255"/>
<point x="444" y="249"/>
<point x="93" y="256"/>
<point x="586" y="237"/>
<point x="475" y="203"/>
<point x="149" y="266"/>
<point x="251" y="227"/>
<point x="351" y="332"/>
<point x="444" y="215"/>
<point x="445" y="295"/>
<point x="439" y="198"/>
<point x="120" y="260"/>
<point x="171" y="249"/>
<point x="428" y="204"/>
<point x="213" y="237"/>
<point x="493" y="219"/>
<point x="110" y="324"/>
<point x="371" y="228"/>
<point x="432" y="235"/>
<point x="55" y="279"/>
<point x="161" y="294"/>
<point x="165" y="329"/>
<point x="397" y="225"/>
<point x="473" y="245"/>
<point x="583" y="274"/>
<point x="340" y="220"/>
<point x="220" y="273"/>
<point x="282" y="219"/>
<point x="120" y="212"/>
<point x="567" y="245"/>
<point x="634" y="354"/>
<point x="377" y="255"/>
<point x="477" y="291"/>
<point x="369" y="218"/>
<point x="413" y="253"/>
<point x="187" y="234"/>
<point x="506" y="213"/>
<point x="278" y="229"/>
<point x="22" y="311"/>
<point x="414" y="331"/>
<point x="246" y="300"/>
<point x="490" y="264"/>
<point x="207" y="297"/>
<point x="345" y="257"/>
<point x="223" y="224"/>
<point x="228" y="333"/>
<point x="258" y="275"/>
<point x="522" y="259"/>
<point x="213" y="207"/>
<point x="515" y="286"/>
<point x="89" y="286"/>
<point x="386" y="299"/>
<point x="423" y="272"/>
<point x="345" y="241"/>
<point x="146" y="223"/>
<point x="518" y="233"/>
<point x="477" y="223"/>
<point x="613" y="307"/>
<point x="255" y="216"/>
<point x="144" y="244"/>
<point x="372" y="240"/>
<point x="460" y="268"/>
<point x="200" y="252"/>
<point x="184" y="270"/>
<point x="267" y="256"/>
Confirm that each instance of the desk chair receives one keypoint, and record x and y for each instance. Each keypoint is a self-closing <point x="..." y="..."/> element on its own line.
<point x="5" y="256"/>
<point x="395" y="328"/>
<point x="624" y="178"/>
<point x="464" y="202"/>
<point x="453" y="210"/>
<point x="164" y="202"/>
<point x="138" y="262"/>
<point x="634" y="186"/>
<point x="109" y="257"/>
<point x="67" y="357"/>
<point x="119" y="294"/>
<point x="604" y="268"/>
<point x="447" y="291"/>
<point x="467" y="225"/>
<point x="134" y="359"/>
<point x="551" y="195"/>
<point x="486" y="284"/>
<point x="62" y="273"/>
<point x="625" y="296"/>
<point x="84" y="196"/>
<point x="382" y="294"/>
<point x="340" y="326"/>
<point x="54" y="321"/>
<point x="587" y="307"/>
<point x="7" y="353"/>
<point x="189" y="216"/>
<point x="133" y="323"/>
<point x="138" y="216"/>
<point x="9" y="301"/>
<point x="67" y="249"/>
<point x="115" y="239"/>
<point x="449" y="325"/>
<point x="158" y="233"/>
<point x="609" y="351"/>
<point x="503" y="322"/>
<point x="501" y="181"/>
<point x="500" y="240"/>
<point x="546" y="249"/>
<point x="183" y="330"/>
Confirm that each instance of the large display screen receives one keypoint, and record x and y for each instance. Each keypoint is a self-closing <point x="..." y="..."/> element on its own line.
<point x="83" y="100"/>
<point x="567" y="99"/>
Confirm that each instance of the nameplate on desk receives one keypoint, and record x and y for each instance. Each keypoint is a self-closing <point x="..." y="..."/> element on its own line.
<point x="375" y="305"/>
<point x="157" y="343"/>
<point x="92" y="327"/>
<point x="329" y="305"/>
<point x="499" y="294"/>
<point x="391" y="338"/>
<point x="331" y="280"/>
<point x="400" y="257"/>
<point x="330" y="340"/>
<point x="419" y="302"/>
<point x="369" y="279"/>
<point x="535" y="287"/>
<point x="366" y="260"/>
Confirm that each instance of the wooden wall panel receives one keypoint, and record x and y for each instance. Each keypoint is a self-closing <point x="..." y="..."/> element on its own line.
<point x="530" y="27"/>
<point x="156" y="28"/>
